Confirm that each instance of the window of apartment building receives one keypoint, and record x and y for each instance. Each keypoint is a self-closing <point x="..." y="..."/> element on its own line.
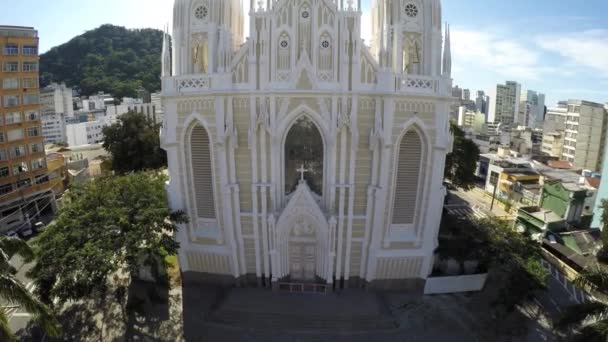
<point x="5" y="189"/>
<point x="10" y="83"/>
<point x="11" y="50"/>
<point x="31" y="99"/>
<point x="42" y="179"/>
<point x="20" y="168"/>
<point x="3" y="155"/>
<point x="10" y="66"/>
<point x="12" y="118"/>
<point x="30" y="82"/>
<point x="32" y="115"/>
<point x="14" y="134"/>
<point x="38" y="163"/>
<point x="4" y="172"/>
<point x="24" y="183"/>
<point x="30" y="50"/>
<point x="494" y="178"/>
<point x="30" y="66"/>
<point x="36" y="148"/>
<point x="11" y="100"/>
<point x="33" y="132"/>
<point x="17" y="151"/>
<point x="1" y="137"/>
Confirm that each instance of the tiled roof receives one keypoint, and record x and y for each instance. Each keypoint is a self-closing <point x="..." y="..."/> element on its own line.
<point x="560" y="164"/>
<point x="594" y="182"/>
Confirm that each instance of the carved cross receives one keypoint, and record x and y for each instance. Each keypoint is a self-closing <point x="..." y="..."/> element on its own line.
<point x="301" y="170"/>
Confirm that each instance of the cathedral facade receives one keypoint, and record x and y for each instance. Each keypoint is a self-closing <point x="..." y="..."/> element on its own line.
<point x="301" y="154"/>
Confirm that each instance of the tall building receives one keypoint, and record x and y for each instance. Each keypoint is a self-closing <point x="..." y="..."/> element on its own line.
<point x="555" y="119"/>
<point x="531" y="109"/>
<point x="56" y="106"/>
<point x="504" y="103"/>
<point x="466" y="94"/>
<point x="481" y="103"/>
<point x="586" y="126"/>
<point x="326" y="166"/>
<point x="25" y="191"/>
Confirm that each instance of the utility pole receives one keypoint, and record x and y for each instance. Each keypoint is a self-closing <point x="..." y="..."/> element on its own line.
<point x="494" y="195"/>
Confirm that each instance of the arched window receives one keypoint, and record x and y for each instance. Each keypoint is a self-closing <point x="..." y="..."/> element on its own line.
<point x="409" y="166"/>
<point x="202" y="174"/>
<point x="304" y="146"/>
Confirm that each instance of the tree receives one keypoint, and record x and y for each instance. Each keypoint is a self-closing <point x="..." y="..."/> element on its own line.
<point x="602" y="255"/>
<point x="12" y="291"/>
<point x="515" y="258"/>
<point x="588" y="321"/>
<point x="109" y="225"/>
<point x="134" y="143"/>
<point x="460" y="165"/>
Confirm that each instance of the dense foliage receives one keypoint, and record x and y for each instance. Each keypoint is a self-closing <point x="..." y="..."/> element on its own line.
<point x="12" y="292"/>
<point x="110" y="58"/>
<point x="108" y="225"/>
<point x="513" y="259"/>
<point x="134" y="143"/>
<point x="460" y="165"/>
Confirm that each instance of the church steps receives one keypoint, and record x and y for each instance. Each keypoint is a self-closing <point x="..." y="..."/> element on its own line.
<point x="301" y="322"/>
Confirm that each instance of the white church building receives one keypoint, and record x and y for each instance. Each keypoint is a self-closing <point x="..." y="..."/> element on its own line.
<point x="300" y="154"/>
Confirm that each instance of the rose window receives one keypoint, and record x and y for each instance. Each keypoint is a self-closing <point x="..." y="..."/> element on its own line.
<point x="411" y="10"/>
<point x="201" y="12"/>
<point x="284" y="44"/>
<point x="325" y="44"/>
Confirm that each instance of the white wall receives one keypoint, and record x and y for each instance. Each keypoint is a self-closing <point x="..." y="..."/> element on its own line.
<point x="455" y="284"/>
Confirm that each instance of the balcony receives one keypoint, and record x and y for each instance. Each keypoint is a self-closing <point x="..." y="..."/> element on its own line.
<point x="418" y="84"/>
<point x="188" y="84"/>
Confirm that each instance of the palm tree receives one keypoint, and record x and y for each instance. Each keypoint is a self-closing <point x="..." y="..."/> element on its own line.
<point x="12" y="291"/>
<point x="589" y="321"/>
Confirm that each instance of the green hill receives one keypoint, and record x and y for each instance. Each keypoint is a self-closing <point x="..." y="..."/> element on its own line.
<point x="110" y="58"/>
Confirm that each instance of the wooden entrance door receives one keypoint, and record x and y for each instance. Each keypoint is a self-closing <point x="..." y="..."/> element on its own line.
<point x="302" y="261"/>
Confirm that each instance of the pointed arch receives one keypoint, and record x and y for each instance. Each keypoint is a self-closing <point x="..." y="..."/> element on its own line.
<point x="285" y="126"/>
<point x="199" y="156"/>
<point x="303" y="148"/>
<point x="325" y="60"/>
<point x="410" y="161"/>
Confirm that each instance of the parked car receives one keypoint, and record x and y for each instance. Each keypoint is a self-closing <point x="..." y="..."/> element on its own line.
<point x="39" y="227"/>
<point x="11" y="233"/>
<point x="26" y="232"/>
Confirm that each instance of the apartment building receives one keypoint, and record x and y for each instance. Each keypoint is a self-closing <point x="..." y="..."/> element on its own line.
<point x="553" y="144"/>
<point x="504" y="103"/>
<point x="585" y="134"/>
<point x="56" y="106"/>
<point x="25" y="191"/>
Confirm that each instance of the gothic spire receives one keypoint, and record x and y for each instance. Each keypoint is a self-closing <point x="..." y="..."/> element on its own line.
<point x="447" y="53"/>
<point x="166" y="54"/>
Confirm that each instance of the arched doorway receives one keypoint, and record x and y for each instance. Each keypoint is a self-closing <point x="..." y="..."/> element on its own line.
<point x="304" y="146"/>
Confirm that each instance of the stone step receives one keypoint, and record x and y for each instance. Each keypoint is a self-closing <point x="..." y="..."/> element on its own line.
<point x="301" y="322"/>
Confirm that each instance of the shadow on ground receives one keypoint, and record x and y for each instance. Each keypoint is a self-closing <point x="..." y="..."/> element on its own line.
<point x="145" y="317"/>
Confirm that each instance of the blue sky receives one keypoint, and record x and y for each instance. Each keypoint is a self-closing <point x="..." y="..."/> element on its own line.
<point x="557" y="47"/>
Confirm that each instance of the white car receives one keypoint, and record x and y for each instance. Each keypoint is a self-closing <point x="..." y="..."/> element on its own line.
<point x="39" y="227"/>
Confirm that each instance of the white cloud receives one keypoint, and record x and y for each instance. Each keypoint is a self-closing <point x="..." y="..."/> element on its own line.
<point x="490" y="51"/>
<point x="587" y="48"/>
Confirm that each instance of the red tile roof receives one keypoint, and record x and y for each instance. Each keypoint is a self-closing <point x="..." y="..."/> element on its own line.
<point x="594" y="182"/>
<point x="560" y="164"/>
